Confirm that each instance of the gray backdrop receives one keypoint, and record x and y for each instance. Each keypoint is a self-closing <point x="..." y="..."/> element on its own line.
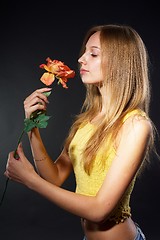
<point x="31" y="32"/>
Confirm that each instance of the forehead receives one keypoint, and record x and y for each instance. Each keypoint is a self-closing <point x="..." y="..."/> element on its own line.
<point x="94" y="40"/>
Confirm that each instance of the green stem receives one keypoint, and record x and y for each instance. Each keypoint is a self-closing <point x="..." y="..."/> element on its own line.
<point x="4" y="191"/>
<point x="19" y="140"/>
<point x="16" y="157"/>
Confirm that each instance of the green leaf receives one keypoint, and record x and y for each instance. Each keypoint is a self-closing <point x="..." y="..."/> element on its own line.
<point x="39" y="122"/>
<point x="28" y="124"/>
<point x="42" y="117"/>
<point x="47" y="93"/>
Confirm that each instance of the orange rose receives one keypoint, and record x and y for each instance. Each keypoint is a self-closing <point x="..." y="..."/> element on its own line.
<point x="56" y="69"/>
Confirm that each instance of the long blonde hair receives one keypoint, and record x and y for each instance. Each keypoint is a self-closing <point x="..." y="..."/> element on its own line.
<point x="125" y="66"/>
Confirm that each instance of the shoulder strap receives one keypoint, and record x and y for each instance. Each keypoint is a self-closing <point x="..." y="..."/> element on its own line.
<point x="134" y="112"/>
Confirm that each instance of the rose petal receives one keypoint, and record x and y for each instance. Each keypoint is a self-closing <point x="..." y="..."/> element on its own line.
<point x="47" y="78"/>
<point x="56" y="69"/>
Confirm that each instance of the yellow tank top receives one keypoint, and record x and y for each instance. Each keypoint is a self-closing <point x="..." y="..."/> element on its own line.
<point x="90" y="184"/>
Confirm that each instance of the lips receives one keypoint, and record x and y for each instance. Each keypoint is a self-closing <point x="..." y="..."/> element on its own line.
<point x="83" y="71"/>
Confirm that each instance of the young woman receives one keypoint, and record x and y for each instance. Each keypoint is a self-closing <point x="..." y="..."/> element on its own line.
<point x="109" y="142"/>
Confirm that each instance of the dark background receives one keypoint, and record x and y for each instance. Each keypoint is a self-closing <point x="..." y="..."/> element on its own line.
<point x="31" y="31"/>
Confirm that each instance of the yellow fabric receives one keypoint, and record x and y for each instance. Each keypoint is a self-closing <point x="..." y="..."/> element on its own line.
<point x="90" y="184"/>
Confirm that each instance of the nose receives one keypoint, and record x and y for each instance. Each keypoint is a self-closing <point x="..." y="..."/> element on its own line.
<point x="81" y="59"/>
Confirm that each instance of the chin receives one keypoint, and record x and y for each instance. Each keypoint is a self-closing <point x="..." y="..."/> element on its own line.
<point x="88" y="81"/>
<point x="91" y="83"/>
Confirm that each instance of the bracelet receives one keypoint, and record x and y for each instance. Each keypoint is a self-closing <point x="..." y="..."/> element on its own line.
<point x="41" y="159"/>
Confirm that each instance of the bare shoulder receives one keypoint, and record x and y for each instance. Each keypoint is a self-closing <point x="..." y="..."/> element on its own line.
<point x="134" y="137"/>
<point x="139" y="122"/>
<point x="137" y="125"/>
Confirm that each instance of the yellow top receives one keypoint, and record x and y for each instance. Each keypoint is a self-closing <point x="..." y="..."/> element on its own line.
<point x="90" y="184"/>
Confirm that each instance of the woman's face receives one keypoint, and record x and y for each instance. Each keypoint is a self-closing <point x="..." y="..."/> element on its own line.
<point x="90" y="61"/>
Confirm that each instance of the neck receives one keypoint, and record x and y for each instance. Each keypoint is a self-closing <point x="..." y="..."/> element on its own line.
<point x="104" y="95"/>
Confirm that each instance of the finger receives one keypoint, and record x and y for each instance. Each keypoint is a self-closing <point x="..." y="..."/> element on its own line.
<point x="6" y="174"/>
<point x="20" y="151"/>
<point x="35" y="104"/>
<point x="39" y="93"/>
<point x="34" y="99"/>
<point x="30" y="110"/>
<point x="46" y="89"/>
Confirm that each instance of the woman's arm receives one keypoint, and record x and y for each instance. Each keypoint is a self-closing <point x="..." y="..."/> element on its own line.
<point x="53" y="171"/>
<point x="56" y="171"/>
<point x="134" y="139"/>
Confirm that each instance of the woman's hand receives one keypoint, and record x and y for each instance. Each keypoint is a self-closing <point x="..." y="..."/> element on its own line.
<point x="20" y="170"/>
<point x="35" y="101"/>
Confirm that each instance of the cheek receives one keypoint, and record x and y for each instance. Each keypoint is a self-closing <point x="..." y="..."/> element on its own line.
<point x="97" y="73"/>
<point x="94" y="75"/>
<point x="96" y="66"/>
<point x="92" y="78"/>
